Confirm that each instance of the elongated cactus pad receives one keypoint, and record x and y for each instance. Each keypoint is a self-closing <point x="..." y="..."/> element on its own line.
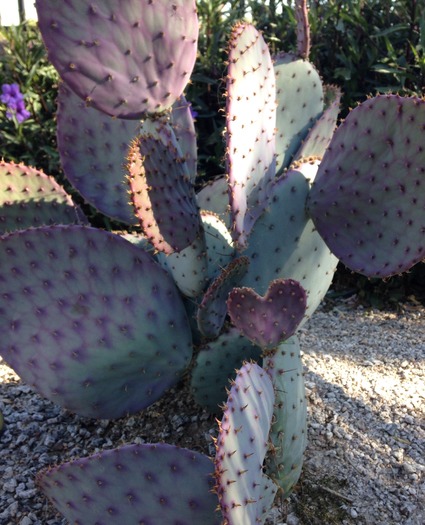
<point x="250" y="127"/>
<point x="150" y="484"/>
<point x="368" y="198"/>
<point x="184" y="129"/>
<point x="89" y="320"/>
<point x="244" y="491"/>
<point x="213" y="309"/>
<point x="215" y="366"/>
<point x="125" y="60"/>
<point x="299" y="104"/>
<point x="162" y="194"/>
<point x="288" y="434"/>
<point x="303" y="29"/>
<point x="93" y="149"/>
<point x="268" y="320"/>
<point x="28" y="198"/>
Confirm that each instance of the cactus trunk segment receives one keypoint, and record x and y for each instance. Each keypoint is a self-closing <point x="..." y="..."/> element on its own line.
<point x="250" y="128"/>
<point x="30" y="198"/>
<point x="89" y="320"/>
<point x="268" y="320"/>
<point x="219" y="243"/>
<point x="367" y="201"/>
<point x="150" y="484"/>
<point x="244" y="491"/>
<point x="288" y="434"/>
<point x="126" y="60"/>
<point x="213" y="309"/>
<point x="215" y="366"/>
<point x="300" y="104"/>
<point x="93" y="148"/>
<point x="162" y="194"/>
<point x="286" y="232"/>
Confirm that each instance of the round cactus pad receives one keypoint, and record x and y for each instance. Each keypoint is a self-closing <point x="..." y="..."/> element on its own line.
<point x="90" y="320"/>
<point x="125" y="59"/>
<point x="156" y="484"/>
<point x="368" y="200"/>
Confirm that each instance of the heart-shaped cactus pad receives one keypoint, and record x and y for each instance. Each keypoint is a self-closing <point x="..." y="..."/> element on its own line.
<point x="268" y="320"/>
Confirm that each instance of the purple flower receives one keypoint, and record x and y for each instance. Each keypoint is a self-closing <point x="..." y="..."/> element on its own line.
<point x="193" y="112"/>
<point x="14" y="100"/>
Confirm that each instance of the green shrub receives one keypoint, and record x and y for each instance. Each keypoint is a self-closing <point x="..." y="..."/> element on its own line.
<point x="23" y="61"/>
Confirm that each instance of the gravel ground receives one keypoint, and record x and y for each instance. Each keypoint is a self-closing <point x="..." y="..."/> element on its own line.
<point x="365" y="461"/>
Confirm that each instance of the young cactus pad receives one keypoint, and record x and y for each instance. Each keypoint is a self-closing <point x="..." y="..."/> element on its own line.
<point x="155" y="484"/>
<point x="268" y="320"/>
<point x="367" y="201"/>
<point x="90" y="320"/>
<point x="125" y="59"/>
<point x="245" y="493"/>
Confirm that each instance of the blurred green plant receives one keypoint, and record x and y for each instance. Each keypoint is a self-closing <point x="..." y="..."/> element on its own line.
<point x="369" y="47"/>
<point x="23" y="62"/>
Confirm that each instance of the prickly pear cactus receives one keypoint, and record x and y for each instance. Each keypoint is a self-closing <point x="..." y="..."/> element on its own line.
<point x="97" y="326"/>
<point x="245" y="493"/>
<point x="213" y="278"/>
<point x="124" y="60"/>
<point x="151" y="484"/>
<point x="367" y="199"/>
<point x="288" y="434"/>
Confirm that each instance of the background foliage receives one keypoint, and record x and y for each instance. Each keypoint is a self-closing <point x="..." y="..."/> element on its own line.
<point x="365" y="47"/>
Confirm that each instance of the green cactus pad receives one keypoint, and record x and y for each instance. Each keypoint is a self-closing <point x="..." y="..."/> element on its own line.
<point x="320" y="135"/>
<point x="245" y="493"/>
<point x="268" y="320"/>
<point x="219" y="243"/>
<point x="215" y="366"/>
<point x="93" y="149"/>
<point x="368" y="198"/>
<point x="212" y="310"/>
<point x="214" y="197"/>
<point x="250" y="127"/>
<point x="184" y="129"/>
<point x="152" y="484"/>
<point x="189" y="268"/>
<point x="299" y="104"/>
<point x="29" y="198"/>
<point x="125" y="60"/>
<point x="288" y="434"/>
<point x="287" y="237"/>
<point x="89" y="320"/>
<point x="162" y="194"/>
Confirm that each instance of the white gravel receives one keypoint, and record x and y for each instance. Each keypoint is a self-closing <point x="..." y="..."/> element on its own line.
<point x="365" y="461"/>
